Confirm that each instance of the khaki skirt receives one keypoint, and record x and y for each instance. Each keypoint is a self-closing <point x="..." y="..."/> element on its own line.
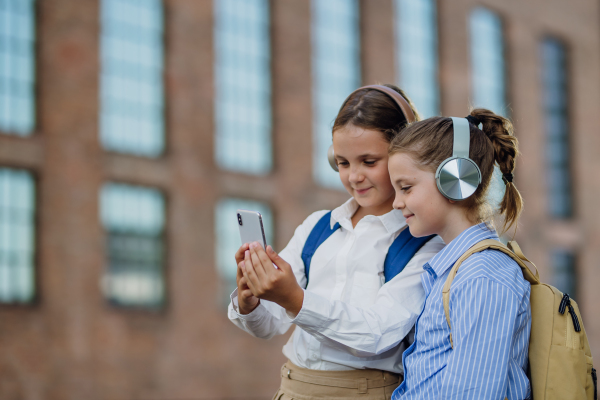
<point x="307" y="384"/>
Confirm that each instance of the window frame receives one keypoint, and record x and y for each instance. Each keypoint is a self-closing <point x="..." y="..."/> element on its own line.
<point x="34" y="131"/>
<point x="571" y="213"/>
<point x="164" y="305"/>
<point x="322" y="174"/>
<point x="398" y="56"/>
<point x="36" y="298"/>
<point x="164" y="137"/>
<point x="221" y="134"/>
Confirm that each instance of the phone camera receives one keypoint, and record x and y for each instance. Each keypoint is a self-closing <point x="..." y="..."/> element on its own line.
<point x="240" y="219"/>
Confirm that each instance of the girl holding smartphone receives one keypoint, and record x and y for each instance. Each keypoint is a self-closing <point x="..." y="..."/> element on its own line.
<point x="351" y="325"/>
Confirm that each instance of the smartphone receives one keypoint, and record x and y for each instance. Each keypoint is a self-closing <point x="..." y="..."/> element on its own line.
<point x="251" y="227"/>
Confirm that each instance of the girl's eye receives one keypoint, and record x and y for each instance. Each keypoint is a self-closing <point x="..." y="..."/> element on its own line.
<point x="343" y="163"/>
<point x="369" y="162"/>
<point x="405" y="188"/>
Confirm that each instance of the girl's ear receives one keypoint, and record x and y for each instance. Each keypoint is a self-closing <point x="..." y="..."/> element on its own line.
<point x="451" y="201"/>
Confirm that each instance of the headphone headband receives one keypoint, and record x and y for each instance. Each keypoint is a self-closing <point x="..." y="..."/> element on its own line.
<point x="458" y="177"/>
<point x="462" y="137"/>
<point x="397" y="97"/>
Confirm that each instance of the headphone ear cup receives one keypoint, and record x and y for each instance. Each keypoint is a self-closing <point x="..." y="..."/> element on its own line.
<point x="457" y="178"/>
<point x="331" y="159"/>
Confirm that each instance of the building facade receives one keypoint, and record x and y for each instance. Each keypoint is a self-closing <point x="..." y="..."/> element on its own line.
<point x="131" y="130"/>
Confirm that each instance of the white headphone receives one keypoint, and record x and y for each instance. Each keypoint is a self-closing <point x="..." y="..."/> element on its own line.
<point x="458" y="177"/>
<point x="398" y="99"/>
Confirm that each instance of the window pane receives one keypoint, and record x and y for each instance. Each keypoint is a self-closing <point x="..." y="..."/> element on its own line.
<point x="134" y="219"/>
<point x="17" y="236"/>
<point x="243" y="86"/>
<point x="131" y="81"/>
<point x="416" y="53"/>
<point x="336" y="73"/>
<point x="487" y="61"/>
<point x="17" y="67"/>
<point x="556" y="124"/>
<point x="228" y="236"/>
<point x="564" y="277"/>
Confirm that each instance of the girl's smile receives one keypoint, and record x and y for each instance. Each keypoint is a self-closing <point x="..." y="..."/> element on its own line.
<point x="362" y="191"/>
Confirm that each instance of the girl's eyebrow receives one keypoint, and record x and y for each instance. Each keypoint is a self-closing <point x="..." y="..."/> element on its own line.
<point x="366" y="155"/>
<point x="400" y="180"/>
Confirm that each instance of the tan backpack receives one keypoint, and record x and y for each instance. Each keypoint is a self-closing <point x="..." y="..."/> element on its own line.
<point x="560" y="360"/>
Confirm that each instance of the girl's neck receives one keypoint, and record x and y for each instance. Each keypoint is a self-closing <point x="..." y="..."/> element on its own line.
<point x="454" y="226"/>
<point x="376" y="211"/>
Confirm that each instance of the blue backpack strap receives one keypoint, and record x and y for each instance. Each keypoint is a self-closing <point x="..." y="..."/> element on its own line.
<point x="318" y="235"/>
<point x="400" y="252"/>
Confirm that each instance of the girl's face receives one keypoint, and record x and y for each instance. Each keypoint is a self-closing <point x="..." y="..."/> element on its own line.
<point x="362" y="158"/>
<point x="426" y="211"/>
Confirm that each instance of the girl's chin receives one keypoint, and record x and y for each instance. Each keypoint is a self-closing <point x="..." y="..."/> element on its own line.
<point x="415" y="231"/>
<point x="369" y="203"/>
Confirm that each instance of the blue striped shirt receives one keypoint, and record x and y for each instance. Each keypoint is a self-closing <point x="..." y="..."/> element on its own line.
<point x="491" y="322"/>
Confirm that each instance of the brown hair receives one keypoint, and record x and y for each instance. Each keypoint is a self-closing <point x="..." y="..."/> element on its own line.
<point x="368" y="108"/>
<point x="430" y="142"/>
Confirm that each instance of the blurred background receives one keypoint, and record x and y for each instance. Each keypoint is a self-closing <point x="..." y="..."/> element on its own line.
<point x="131" y="131"/>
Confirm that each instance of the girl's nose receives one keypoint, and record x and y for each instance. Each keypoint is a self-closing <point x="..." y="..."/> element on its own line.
<point x="398" y="204"/>
<point x="356" y="176"/>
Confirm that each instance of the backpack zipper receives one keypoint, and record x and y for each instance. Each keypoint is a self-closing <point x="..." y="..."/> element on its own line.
<point x="595" y="380"/>
<point x="564" y="303"/>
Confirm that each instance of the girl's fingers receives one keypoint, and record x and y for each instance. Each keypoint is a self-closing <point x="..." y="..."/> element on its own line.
<point x="240" y="273"/>
<point x="243" y="283"/>
<point x="280" y="262"/>
<point x="246" y="294"/>
<point x="239" y="254"/>
<point x="265" y="261"/>
<point x="257" y="264"/>
<point x="250" y="274"/>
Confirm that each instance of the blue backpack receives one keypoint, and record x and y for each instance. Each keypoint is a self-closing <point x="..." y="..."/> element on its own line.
<point x="399" y="254"/>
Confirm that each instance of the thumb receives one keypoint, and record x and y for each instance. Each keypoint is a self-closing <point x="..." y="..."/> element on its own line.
<point x="280" y="262"/>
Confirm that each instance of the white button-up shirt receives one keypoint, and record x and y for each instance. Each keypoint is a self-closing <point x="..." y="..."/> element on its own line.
<point x="349" y="318"/>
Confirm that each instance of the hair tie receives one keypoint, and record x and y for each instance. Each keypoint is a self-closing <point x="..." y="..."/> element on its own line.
<point x="474" y="120"/>
<point x="507" y="177"/>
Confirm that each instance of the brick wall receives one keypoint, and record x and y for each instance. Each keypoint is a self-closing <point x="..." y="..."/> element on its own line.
<point x="70" y="344"/>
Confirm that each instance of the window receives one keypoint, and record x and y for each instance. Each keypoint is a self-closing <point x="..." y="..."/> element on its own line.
<point x="228" y="236"/>
<point x="131" y="81"/>
<point x="134" y="220"/>
<point x="243" y="86"/>
<point x="416" y="53"/>
<point x="336" y="74"/>
<point x="563" y="272"/>
<point x="17" y="236"/>
<point x="556" y="125"/>
<point x="17" y="67"/>
<point x="487" y="61"/>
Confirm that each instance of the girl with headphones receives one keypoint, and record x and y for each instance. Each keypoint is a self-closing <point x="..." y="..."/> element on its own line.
<point x="472" y="337"/>
<point x="349" y="279"/>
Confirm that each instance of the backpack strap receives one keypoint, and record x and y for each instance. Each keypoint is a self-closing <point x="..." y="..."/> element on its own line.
<point x="513" y="251"/>
<point x="404" y="247"/>
<point x="402" y="250"/>
<point x="317" y="236"/>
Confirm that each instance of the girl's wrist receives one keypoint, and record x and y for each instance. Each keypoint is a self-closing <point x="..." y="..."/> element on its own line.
<point x="247" y="310"/>
<point x="294" y="302"/>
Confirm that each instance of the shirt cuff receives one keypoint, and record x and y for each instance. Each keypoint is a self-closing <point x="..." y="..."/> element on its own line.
<point x="314" y="307"/>
<point x="253" y="315"/>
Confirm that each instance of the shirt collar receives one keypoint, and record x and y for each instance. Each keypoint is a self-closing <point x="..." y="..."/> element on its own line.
<point x="393" y="221"/>
<point x="446" y="258"/>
